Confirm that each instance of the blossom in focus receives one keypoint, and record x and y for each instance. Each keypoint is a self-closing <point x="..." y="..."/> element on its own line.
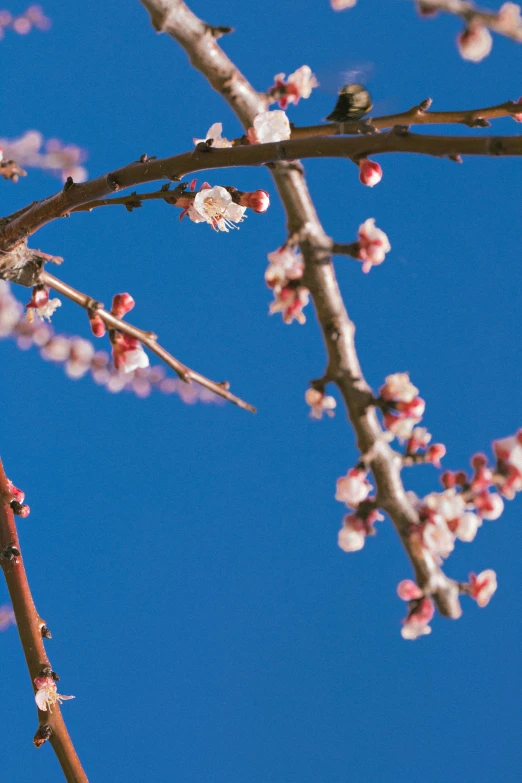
<point x="474" y="43"/>
<point x="398" y="387"/>
<point x="215" y="207"/>
<point x="353" y="488"/>
<point x="320" y="403"/>
<point x="257" y="200"/>
<point x="298" y="85"/>
<point x="269" y="126"/>
<point x="7" y="617"/>
<point x="373" y="244"/>
<point x="46" y="694"/>
<point x="41" y="305"/>
<point x="290" y="303"/>
<point x="370" y="173"/>
<point x="417" y="622"/>
<point x="128" y="353"/>
<point x="483" y="586"/>
<point x="214" y="133"/>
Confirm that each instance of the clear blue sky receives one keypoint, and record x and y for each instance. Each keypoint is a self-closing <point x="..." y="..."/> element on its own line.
<point x="185" y="558"/>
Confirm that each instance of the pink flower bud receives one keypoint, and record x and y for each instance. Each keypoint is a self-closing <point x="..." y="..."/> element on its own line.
<point x="435" y="453"/>
<point x="448" y="479"/>
<point x="122" y="304"/>
<point x="407" y="590"/>
<point x="474" y="43"/>
<point x="97" y="325"/>
<point x="483" y="586"/>
<point x="370" y="173"/>
<point x="39" y="297"/>
<point x="258" y="200"/>
<point x="16" y="493"/>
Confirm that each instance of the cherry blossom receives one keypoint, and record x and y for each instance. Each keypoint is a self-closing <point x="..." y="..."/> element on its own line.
<point x="41" y="305"/>
<point x="353" y="488"/>
<point x="401" y="428"/>
<point x="341" y="5"/>
<point x="7" y="617"/>
<point x="407" y="590"/>
<point x="269" y="126"/>
<point x="370" y="173"/>
<point x="128" y="353"/>
<point x="489" y="505"/>
<point x="474" y="43"/>
<point x="508" y="475"/>
<point x="508" y="18"/>
<point x="46" y="694"/>
<point x="215" y="207"/>
<point x="214" y="135"/>
<point x="420" y="437"/>
<point x="398" y="387"/>
<point x="61" y="159"/>
<point x="286" y="264"/>
<point x="290" y="303"/>
<point x="351" y="539"/>
<point x="257" y="200"/>
<point x="358" y="526"/>
<point x="482" y="587"/>
<point x="417" y="621"/>
<point x="373" y="244"/>
<point x="437" y="537"/>
<point x="298" y="85"/>
<point x="320" y="403"/>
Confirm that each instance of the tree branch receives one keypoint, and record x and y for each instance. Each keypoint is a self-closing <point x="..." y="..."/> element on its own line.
<point x="398" y="139"/>
<point x="175" y="18"/>
<point x="148" y="339"/>
<point x="30" y="626"/>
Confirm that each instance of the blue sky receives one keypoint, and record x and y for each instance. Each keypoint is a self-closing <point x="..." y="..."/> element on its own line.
<point x="185" y="557"/>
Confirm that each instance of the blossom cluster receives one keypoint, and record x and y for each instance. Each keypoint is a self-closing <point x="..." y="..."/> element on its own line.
<point x="285" y="270"/>
<point x="298" y="85"/>
<point x="340" y="5"/>
<point x="24" y="23"/>
<point x="475" y="41"/>
<point x="320" y="403"/>
<point x="80" y="358"/>
<point x="222" y="208"/>
<point x="30" y="150"/>
<point x="354" y="490"/>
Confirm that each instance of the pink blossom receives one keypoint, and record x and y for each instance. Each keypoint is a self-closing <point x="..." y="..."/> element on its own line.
<point x="483" y="586"/>
<point x="351" y="540"/>
<point x="60" y="159"/>
<point x="97" y="324"/>
<point x="370" y="173"/>
<point x="17" y="494"/>
<point x="122" y="304"/>
<point x="402" y="428"/>
<point x="127" y="353"/>
<point x="420" y="437"/>
<point x="215" y="207"/>
<point x="412" y="408"/>
<point x="290" y="303"/>
<point x="435" y="453"/>
<point x="214" y="134"/>
<point x="46" y="696"/>
<point x="373" y="244"/>
<point x="286" y="264"/>
<point x="489" y="505"/>
<point x="437" y="537"/>
<point x="320" y="403"/>
<point x="269" y="126"/>
<point x="474" y="43"/>
<point x="340" y="5"/>
<point x="467" y="526"/>
<point x="7" y="617"/>
<point x="417" y="622"/>
<point x="508" y="18"/>
<point x="407" y="590"/>
<point x="353" y="488"/>
<point x="298" y="85"/>
<point x="398" y="387"/>
<point x="257" y="200"/>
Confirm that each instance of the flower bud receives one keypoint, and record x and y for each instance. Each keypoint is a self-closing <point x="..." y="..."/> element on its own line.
<point x="370" y="173"/>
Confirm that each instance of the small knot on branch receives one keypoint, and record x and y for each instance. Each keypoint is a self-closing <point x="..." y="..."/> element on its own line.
<point x="496" y="146"/>
<point x="478" y="122"/>
<point x="424" y="105"/>
<point x="399" y="130"/>
<point x="46" y="634"/>
<point x="112" y="182"/>
<point x="216" y="31"/>
<point x="69" y="183"/>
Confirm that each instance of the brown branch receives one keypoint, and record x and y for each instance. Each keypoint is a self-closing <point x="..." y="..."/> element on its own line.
<point x="148" y="339"/>
<point x="175" y="18"/>
<point x="470" y="14"/>
<point x="30" y="628"/>
<point x="9" y="169"/>
<point x="399" y="139"/>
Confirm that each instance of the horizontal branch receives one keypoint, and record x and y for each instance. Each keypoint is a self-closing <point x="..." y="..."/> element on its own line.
<point x="399" y="139"/>
<point x="30" y="627"/>
<point x="148" y="339"/>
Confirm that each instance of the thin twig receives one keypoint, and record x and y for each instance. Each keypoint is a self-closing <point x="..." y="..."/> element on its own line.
<point x="176" y="19"/>
<point x="148" y="339"/>
<point x="30" y="627"/>
<point x="471" y="14"/>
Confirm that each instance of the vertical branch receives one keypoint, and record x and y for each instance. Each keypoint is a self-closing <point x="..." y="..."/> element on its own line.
<point x="51" y="725"/>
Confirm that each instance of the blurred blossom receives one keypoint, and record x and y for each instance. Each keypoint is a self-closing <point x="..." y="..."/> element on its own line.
<point x="80" y="358"/>
<point x="7" y="617"/>
<point x="33" y="17"/>
<point x="30" y="151"/>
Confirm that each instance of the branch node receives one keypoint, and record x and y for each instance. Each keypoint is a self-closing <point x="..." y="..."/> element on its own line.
<point x="216" y="31"/>
<point x="69" y="183"/>
<point x="43" y="734"/>
<point x="112" y="181"/>
<point x="46" y="633"/>
<point x="456" y="158"/>
<point x="424" y="105"/>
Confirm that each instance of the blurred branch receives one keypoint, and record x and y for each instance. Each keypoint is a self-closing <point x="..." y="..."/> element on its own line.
<point x="472" y="15"/>
<point x="51" y="725"/>
<point x="175" y="18"/>
<point x="9" y="169"/>
<point x="148" y="339"/>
